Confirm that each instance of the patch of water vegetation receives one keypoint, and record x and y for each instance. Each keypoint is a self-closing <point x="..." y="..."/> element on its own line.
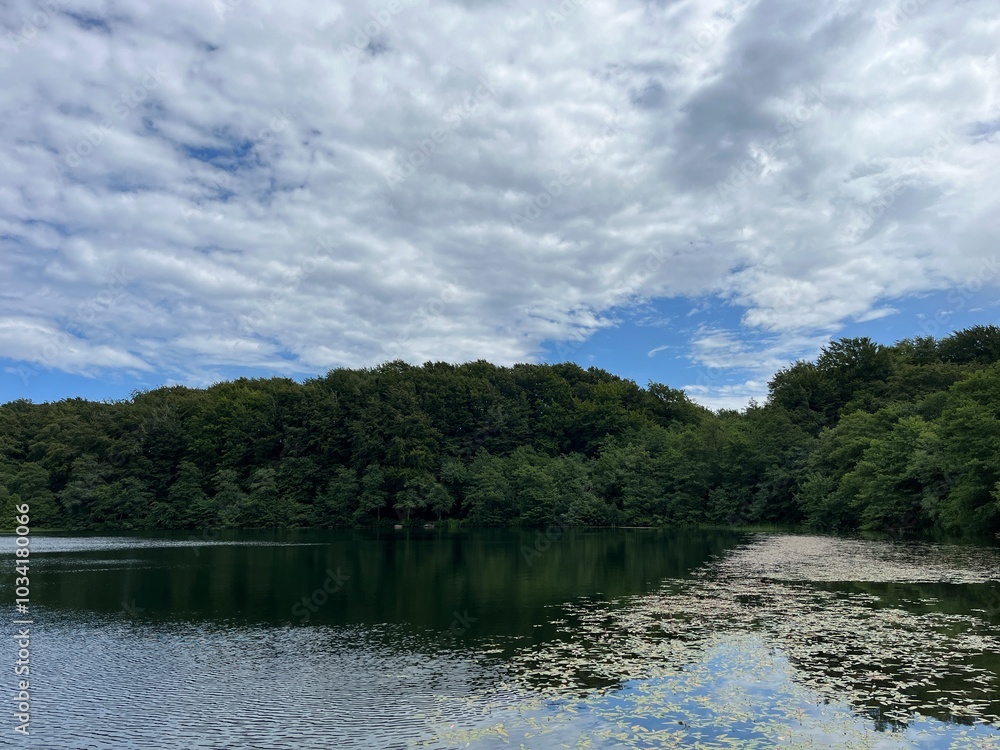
<point x="772" y="645"/>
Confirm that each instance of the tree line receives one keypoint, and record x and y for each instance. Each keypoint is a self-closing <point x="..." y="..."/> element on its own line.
<point x="871" y="437"/>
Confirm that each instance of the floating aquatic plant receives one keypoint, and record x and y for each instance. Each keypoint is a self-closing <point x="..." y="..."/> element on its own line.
<point x="759" y="649"/>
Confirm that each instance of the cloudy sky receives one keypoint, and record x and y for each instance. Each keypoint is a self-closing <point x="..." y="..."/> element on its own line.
<point x="695" y="192"/>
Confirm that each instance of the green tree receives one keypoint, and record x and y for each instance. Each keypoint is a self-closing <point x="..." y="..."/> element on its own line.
<point x="969" y="428"/>
<point x="373" y="495"/>
<point x="86" y="480"/>
<point x="488" y="495"/>
<point x="123" y="504"/>
<point x="230" y="499"/>
<point x="340" y="501"/>
<point x="533" y="488"/>
<point x="976" y="345"/>
<point x="883" y="487"/>
<point x="30" y="483"/>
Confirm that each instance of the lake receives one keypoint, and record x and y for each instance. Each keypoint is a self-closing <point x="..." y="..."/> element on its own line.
<point x="628" y="638"/>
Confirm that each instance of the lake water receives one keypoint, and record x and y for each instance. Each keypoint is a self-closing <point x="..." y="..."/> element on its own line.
<point x="505" y="639"/>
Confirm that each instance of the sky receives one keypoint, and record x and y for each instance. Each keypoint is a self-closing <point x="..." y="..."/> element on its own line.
<point x="694" y="192"/>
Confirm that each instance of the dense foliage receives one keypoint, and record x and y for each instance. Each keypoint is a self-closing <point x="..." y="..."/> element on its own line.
<point x="868" y="436"/>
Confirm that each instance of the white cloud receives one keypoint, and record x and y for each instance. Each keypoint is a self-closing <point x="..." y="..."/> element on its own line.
<point x="877" y="314"/>
<point x="727" y="396"/>
<point x="732" y="367"/>
<point x="806" y="162"/>
<point x="39" y="343"/>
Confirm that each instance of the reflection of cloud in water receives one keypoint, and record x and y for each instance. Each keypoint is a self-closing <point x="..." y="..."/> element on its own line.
<point x="743" y="692"/>
<point x="929" y="674"/>
<point x="764" y="645"/>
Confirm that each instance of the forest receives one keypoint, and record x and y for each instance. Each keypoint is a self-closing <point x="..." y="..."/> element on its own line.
<point x="901" y="438"/>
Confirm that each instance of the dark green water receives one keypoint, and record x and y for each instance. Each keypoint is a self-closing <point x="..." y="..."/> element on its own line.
<point x="596" y="639"/>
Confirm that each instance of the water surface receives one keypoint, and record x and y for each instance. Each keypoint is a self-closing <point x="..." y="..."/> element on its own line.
<point x="483" y="639"/>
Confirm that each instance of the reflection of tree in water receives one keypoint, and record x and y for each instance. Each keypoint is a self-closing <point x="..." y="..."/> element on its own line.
<point x="993" y="601"/>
